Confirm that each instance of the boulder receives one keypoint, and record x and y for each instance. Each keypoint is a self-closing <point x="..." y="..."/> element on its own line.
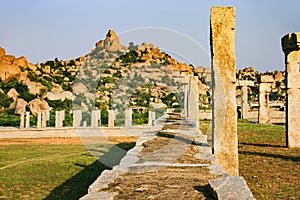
<point x="38" y="105"/>
<point x="111" y="42"/>
<point x="79" y="88"/>
<point x="21" y="62"/>
<point x="2" y="52"/>
<point x="20" y="106"/>
<point x="34" y="87"/>
<point x="67" y="95"/>
<point x="8" y="70"/>
<point x="13" y="94"/>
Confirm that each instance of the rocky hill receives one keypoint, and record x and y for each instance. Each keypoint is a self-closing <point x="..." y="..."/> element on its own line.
<point x="110" y="76"/>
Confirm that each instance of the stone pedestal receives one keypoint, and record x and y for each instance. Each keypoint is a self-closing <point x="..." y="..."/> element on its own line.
<point x="193" y="101"/>
<point x="95" y="118"/>
<point x="111" y="118"/>
<point x="39" y="120"/>
<point x="77" y="118"/>
<point x="22" y="120"/>
<point x="27" y="123"/>
<point x="244" y="104"/>
<point x="128" y="117"/>
<point x="59" y="118"/>
<point x="291" y="47"/>
<point x="264" y="91"/>
<point x="224" y="122"/>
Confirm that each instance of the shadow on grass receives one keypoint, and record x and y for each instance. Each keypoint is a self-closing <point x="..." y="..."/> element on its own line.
<point x="78" y="185"/>
<point x="262" y="145"/>
<point x="294" y="159"/>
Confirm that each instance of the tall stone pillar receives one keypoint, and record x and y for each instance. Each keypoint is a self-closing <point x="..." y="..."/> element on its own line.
<point x="291" y="48"/>
<point x="264" y="91"/>
<point x="185" y="100"/>
<point x="22" y="120"/>
<point x="59" y="118"/>
<point x="151" y="118"/>
<point x="224" y="122"/>
<point x="44" y="119"/>
<point x="193" y="100"/>
<point x="95" y="118"/>
<point x="77" y="118"/>
<point x="27" y="123"/>
<point x="47" y="116"/>
<point x="128" y="117"/>
<point x="111" y="118"/>
<point x="39" y="120"/>
<point x="244" y="104"/>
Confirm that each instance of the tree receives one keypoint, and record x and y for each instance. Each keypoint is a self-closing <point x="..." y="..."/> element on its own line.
<point x="5" y="100"/>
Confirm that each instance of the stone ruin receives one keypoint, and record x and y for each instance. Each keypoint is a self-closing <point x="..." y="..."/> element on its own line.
<point x="244" y="104"/>
<point x="264" y="91"/>
<point x="224" y="120"/>
<point x="291" y="48"/>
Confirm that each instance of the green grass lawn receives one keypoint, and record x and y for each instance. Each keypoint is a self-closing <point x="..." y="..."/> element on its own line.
<point x="48" y="171"/>
<point x="271" y="170"/>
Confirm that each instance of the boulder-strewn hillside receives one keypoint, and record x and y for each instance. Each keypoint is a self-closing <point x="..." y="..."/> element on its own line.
<point x="110" y="76"/>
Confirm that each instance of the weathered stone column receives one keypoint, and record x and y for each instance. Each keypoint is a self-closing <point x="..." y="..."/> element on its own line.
<point x="27" y="123"/>
<point x="44" y="119"/>
<point x="22" y="120"/>
<point x="151" y="118"/>
<point x="59" y="118"/>
<point x="224" y="122"/>
<point x="77" y="118"/>
<point x="264" y="91"/>
<point x="111" y="118"/>
<point x="193" y="99"/>
<point x="128" y="117"/>
<point x="47" y="116"/>
<point x="39" y="120"/>
<point x="95" y="118"/>
<point x="185" y="100"/>
<point x="291" y="48"/>
<point x="244" y="105"/>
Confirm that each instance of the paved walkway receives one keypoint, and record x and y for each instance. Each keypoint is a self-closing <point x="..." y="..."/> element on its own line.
<point x="173" y="163"/>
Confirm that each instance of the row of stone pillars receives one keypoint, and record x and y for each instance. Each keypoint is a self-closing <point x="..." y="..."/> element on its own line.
<point x="264" y="91"/>
<point x="96" y="118"/>
<point x="44" y="116"/>
<point x="42" y="119"/>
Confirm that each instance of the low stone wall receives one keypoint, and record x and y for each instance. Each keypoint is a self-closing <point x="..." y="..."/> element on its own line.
<point x="205" y="114"/>
<point x="275" y="115"/>
<point x="72" y="132"/>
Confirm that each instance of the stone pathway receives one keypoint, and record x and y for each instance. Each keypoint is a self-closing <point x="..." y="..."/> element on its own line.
<point x="175" y="162"/>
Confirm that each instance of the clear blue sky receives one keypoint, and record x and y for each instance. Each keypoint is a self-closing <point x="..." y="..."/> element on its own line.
<point x="45" y="29"/>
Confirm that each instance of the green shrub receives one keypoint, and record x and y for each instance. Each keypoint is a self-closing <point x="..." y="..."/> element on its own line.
<point x="139" y="118"/>
<point x="9" y="120"/>
<point x="104" y="117"/>
<point x="5" y="100"/>
<point x="86" y="116"/>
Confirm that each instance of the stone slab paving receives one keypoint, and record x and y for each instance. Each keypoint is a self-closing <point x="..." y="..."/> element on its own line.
<point x="173" y="163"/>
